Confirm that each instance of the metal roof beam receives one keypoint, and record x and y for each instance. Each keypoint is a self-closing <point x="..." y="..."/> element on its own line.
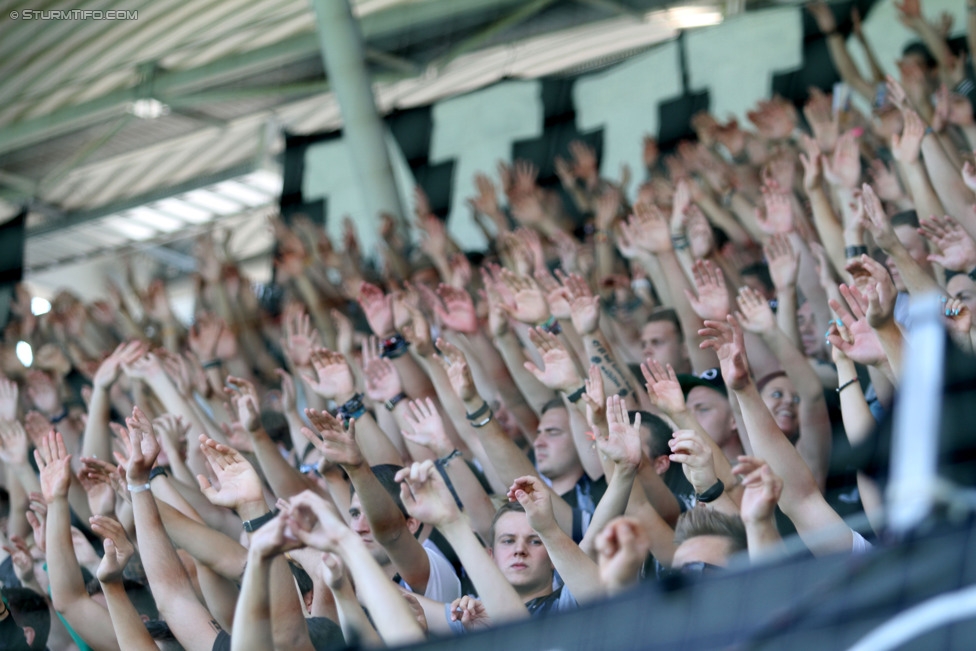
<point x="76" y="218"/>
<point x="374" y="25"/>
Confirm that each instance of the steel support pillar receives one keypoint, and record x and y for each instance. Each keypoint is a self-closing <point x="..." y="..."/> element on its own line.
<point x="364" y="132"/>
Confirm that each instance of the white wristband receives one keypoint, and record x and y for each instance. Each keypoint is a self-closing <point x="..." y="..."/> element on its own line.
<point x="139" y="487"/>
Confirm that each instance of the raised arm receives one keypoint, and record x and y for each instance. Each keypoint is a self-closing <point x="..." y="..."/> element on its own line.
<point x="428" y="499"/>
<point x="386" y="522"/>
<point x="68" y="595"/>
<point x="190" y="621"/>
<point x="129" y="629"/>
<point x="317" y="525"/>
<point x="97" y="440"/>
<point x="817" y="523"/>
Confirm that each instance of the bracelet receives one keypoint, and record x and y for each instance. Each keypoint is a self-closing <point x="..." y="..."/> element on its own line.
<point x="138" y="488"/>
<point x="394" y="346"/>
<point x="214" y="363"/>
<point x="846" y="384"/>
<point x="352" y="408"/>
<point x="253" y="525"/>
<point x="855" y="251"/>
<point x="443" y="461"/>
<point x="157" y="471"/>
<point x="60" y="417"/>
<point x="680" y="242"/>
<point x="928" y="131"/>
<point x="551" y="326"/>
<point x="394" y="401"/>
<point x="479" y="412"/>
<point x="575" y="396"/>
<point x="712" y="493"/>
<point x="487" y="420"/>
<point x="601" y="237"/>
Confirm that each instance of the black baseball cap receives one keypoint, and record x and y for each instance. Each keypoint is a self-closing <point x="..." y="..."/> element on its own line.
<point x="711" y="379"/>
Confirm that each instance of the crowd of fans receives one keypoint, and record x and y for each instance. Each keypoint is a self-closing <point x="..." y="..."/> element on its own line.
<point x="430" y="441"/>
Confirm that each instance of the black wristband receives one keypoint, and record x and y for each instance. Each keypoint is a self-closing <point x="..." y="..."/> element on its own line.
<point x="60" y="417"/>
<point x="575" y="396"/>
<point x="711" y="493"/>
<point x="251" y="526"/>
<point x="352" y="408"/>
<point x="479" y="412"/>
<point x="394" y="401"/>
<point x="157" y="471"/>
<point x="394" y="346"/>
<point x="855" y="251"/>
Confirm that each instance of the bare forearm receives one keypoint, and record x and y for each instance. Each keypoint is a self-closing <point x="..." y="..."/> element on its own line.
<point x="96" y="441"/>
<point x="252" y="616"/>
<point x="945" y="177"/>
<point x="128" y="625"/>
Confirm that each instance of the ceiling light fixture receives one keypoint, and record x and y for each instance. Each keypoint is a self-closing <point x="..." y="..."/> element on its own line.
<point x="148" y="108"/>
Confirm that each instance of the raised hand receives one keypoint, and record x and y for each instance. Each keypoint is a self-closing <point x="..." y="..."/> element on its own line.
<point x="843" y="169"/>
<point x="560" y="372"/>
<point x="959" y="318"/>
<point x="144" y="368"/>
<point x="8" y="399"/>
<point x="535" y="497"/>
<point x="762" y="490"/>
<point x="907" y="147"/>
<point x="37" y="519"/>
<point x="144" y="447"/>
<point x="784" y="263"/>
<point x="712" y="301"/>
<point x="663" y="387"/>
<point x="646" y="230"/>
<point x="274" y="538"/>
<point x="595" y="399"/>
<point x="21" y="559"/>
<point x="378" y="309"/>
<point x="337" y="443"/>
<point x="584" y="306"/>
<point x="300" y="339"/>
<point x="315" y="522"/>
<point x="885" y="181"/>
<point x="118" y="548"/>
<point x="458" y="372"/>
<point x="470" y="612"/>
<point x="237" y="483"/>
<point x="622" y="548"/>
<point x="778" y="216"/>
<point x="126" y="353"/>
<point x="382" y="379"/>
<point x="880" y="293"/>
<point x="425" y="495"/>
<point x="876" y="221"/>
<point x="13" y="443"/>
<point x="457" y="310"/>
<point x="530" y="301"/>
<point x="958" y="251"/>
<point x="426" y="427"/>
<point x="727" y="342"/>
<point x="97" y="470"/>
<point x="623" y="445"/>
<point x="695" y="456"/>
<point x="861" y="343"/>
<point x="204" y="336"/>
<point x="754" y="313"/>
<point x="54" y="462"/>
<point x="333" y="379"/>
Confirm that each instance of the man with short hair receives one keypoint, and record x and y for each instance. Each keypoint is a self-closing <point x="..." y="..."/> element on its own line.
<point x="663" y="340"/>
<point x="707" y="537"/>
<point x="558" y="462"/>
<point x="25" y="620"/>
<point x="707" y="399"/>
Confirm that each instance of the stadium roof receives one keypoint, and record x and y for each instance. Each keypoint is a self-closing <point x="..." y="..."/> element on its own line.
<point x="158" y="119"/>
